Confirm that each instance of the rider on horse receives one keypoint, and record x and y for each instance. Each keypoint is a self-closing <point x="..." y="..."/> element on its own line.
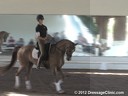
<point x="41" y="34"/>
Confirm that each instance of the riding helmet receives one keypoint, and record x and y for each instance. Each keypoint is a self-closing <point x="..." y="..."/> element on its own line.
<point x="40" y="16"/>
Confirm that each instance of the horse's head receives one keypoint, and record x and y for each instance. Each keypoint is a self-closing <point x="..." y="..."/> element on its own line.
<point x="69" y="51"/>
<point x="5" y="35"/>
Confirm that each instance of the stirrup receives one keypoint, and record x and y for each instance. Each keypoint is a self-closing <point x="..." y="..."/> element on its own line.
<point x="45" y="64"/>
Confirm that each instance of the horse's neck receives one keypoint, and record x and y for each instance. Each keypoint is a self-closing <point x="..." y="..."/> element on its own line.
<point x="61" y="46"/>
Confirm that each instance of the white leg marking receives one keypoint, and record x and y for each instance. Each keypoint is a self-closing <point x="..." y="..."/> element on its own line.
<point x="28" y="85"/>
<point x="58" y="86"/>
<point x="60" y="81"/>
<point x="17" y="82"/>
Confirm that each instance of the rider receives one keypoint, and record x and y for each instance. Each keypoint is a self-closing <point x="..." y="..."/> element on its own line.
<point x="41" y="33"/>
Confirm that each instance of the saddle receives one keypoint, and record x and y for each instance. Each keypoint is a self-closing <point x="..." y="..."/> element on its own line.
<point x="48" y="44"/>
<point x="36" y="52"/>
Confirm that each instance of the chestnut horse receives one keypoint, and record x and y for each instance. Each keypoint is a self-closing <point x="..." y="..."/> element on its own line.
<point x="55" y="62"/>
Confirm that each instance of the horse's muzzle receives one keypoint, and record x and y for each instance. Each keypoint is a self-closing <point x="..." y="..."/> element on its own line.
<point x="68" y="58"/>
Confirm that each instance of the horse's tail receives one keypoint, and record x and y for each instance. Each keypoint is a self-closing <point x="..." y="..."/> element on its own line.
<point x="12" y="62"/>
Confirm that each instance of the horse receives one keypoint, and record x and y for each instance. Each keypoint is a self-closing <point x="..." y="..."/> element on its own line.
<point x="55" y="62"/>
<point x="3" y="37"/>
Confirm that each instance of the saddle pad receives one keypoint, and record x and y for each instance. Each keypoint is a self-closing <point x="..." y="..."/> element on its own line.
<point x="35" y="53"/>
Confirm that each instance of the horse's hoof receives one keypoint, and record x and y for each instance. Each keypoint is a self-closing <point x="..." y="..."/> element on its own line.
<point x="61" y="92"/>
<point x="16" y="87"/>
<point x="29" y="90"/>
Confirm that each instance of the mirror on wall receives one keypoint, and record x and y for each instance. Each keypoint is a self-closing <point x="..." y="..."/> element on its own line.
<point x="95" y="35"/>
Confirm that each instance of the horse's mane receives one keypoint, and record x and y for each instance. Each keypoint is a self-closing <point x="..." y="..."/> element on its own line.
<point x="53" y="46"/>
<point x="64" y="40"/>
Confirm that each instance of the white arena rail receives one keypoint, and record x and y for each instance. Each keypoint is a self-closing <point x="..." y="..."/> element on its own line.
<point x="86" y="62"/>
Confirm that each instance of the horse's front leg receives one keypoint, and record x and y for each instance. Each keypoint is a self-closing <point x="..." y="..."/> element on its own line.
<point x="58" y="82"/>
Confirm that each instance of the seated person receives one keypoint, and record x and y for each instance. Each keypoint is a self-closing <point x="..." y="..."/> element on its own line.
<point x="20" y="42"/>
<point x="11" y="42"/>
<point x="31" y="42"/>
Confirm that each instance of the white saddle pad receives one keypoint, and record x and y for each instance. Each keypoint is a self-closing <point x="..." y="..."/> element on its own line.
<point x="35" y="53"/>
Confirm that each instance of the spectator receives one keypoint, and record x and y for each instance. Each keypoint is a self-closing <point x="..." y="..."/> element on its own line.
<point x="82" y="40"/>
<point x="20" y="42"/>
<point x="31" y="42"/>
<point x="11" y="42"/>
<point x="62" y="35"/>
<point x="56" y="36"/>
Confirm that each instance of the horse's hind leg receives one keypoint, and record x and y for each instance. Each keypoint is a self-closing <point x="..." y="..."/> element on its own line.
<point x="17" y="80"/>
<point x="27" y="77"/>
